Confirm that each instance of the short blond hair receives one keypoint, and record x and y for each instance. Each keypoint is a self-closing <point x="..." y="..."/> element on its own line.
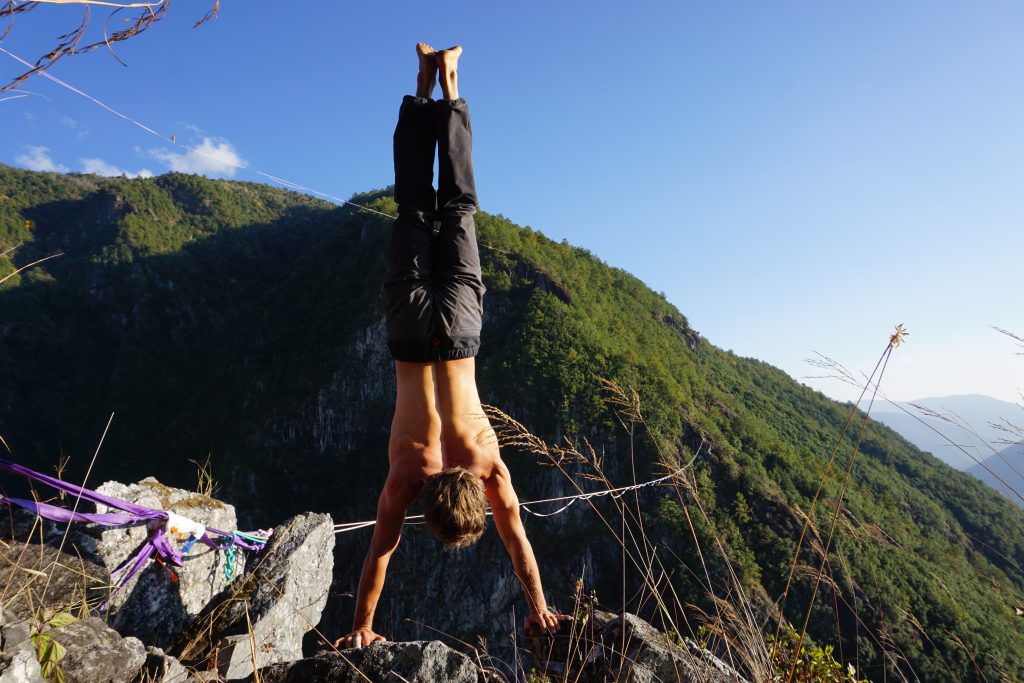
<point x="454" y="507"/>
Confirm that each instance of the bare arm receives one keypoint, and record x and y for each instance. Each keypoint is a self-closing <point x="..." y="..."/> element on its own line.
<point x="391" y="507"/>
<point x="505" y="508"/>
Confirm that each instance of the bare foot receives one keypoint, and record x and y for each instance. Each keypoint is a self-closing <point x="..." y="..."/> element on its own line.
<point x="426" y="78"/>
<point x="448" y="65"/>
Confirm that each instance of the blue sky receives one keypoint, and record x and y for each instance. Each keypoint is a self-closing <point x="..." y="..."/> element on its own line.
<point x="795" y="177"/>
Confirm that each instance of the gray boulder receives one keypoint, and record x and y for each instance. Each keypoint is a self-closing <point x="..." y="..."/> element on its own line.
<point x="153" y="607"/>
<point x="98" y="654"/>
<point x="162" y="668"/>
<point x="653" y="657"/>
<point x="18" y="663"/>
<point x="412" y="662"/>
<point x="13" y="632"/>
<point x="264" y="613"/>
<point x="38" y="577"/>
<point x="602" y="647"/>
<point x="20" y="667"/>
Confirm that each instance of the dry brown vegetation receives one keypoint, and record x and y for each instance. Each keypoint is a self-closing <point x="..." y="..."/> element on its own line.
<point x="75" y="42"/>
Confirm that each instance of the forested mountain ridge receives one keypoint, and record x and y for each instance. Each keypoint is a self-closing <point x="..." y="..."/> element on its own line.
<point x="245" y="322"/>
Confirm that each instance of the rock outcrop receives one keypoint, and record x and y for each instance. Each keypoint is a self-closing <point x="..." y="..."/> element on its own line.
<point x="98" y="654"/>
<point x="266" y="610"/>
<point x="37" y="575"/>
<point x="94" y="653"/>
<point x="264" y="614"/>
<point x="412" y="662"/>
<point x="152" y="606"/>
<point x="261" y="617"/>
<point x="20" y="667"/>
<point x="606" y="648"/>
<point x="162" y="668"/>
<point x="18" y="663"/>
<point x="651" y="656"/>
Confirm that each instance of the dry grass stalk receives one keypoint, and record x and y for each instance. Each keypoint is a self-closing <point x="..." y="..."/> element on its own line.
<point x="638" y="552"/>
<point x="1011" y="335"/>
<point x="895" y="340"/>
<point x="806" y="571"/>
<point x="205" y="484"/>
<point x="748" y="643"/>
<point x="963" y="646"/>
<point x="26" y="267"/>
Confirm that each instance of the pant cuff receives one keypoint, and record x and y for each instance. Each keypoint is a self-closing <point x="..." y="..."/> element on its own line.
<point x="452" y="104"/>
<point x="425" y="351"/>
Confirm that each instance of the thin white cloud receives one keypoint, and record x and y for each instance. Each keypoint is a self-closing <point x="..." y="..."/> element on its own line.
<point x="103" y="168"/>
<point x="81" y="130"/>
<point x="209" y="158"/>
<point x="38" y="159"/>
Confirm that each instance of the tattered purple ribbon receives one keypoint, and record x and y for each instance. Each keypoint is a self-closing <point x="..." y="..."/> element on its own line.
<point x="132" y="514"/>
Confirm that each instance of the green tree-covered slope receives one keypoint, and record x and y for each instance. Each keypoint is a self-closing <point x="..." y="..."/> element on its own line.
<point x="245" y="322"/>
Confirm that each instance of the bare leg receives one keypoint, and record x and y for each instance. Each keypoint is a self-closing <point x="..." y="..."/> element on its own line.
<point x="448" y="68"/>
<point x="426" y="79"/>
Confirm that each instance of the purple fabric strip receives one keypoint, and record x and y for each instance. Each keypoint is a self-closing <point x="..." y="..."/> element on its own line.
<point x="156" y="541"/>
<point x="140" y="559"/>
<point x="164" y="547"/>
<point x="85" y="494"/>
<point x="63" y="515"/>
<point x="140" y="512"/>
<point x="131" y="566"/>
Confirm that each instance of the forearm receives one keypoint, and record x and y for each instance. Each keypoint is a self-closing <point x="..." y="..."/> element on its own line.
<point x="371" y="583"/>
<point x="525" y="566"/>
<point x="505" y="511"/>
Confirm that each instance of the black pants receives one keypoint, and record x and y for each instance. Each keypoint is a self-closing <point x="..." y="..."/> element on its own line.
<point x="433" y="291"/>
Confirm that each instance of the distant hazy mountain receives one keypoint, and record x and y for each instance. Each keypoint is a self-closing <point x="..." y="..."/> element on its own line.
<point x="1003" y="472"/>
<point x="975" y="412"/>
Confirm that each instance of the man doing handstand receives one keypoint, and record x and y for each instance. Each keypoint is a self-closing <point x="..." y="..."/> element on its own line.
<point x="441" y="442"/>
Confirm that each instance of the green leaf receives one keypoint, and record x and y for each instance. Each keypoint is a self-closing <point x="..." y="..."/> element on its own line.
<point x="41" y="641"/>
<point x="58" y="651"/>
<point x="61" y="619"/>
<point x="49" y="652"/>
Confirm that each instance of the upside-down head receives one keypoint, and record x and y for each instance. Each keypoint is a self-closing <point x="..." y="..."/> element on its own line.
<point x="454" y="507"/>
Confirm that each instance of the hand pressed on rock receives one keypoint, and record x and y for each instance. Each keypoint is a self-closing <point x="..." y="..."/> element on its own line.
<point x="360" y="637"/>
<point x="544" y="622"/>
